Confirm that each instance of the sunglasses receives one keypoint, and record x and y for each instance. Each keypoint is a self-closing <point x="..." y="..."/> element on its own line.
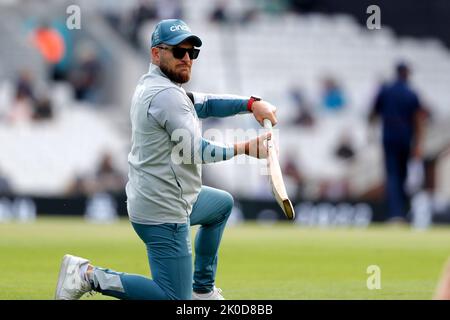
<point x="179" y="53"/>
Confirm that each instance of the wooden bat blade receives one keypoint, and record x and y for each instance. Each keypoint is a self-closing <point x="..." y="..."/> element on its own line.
<point x="288" y="209"/>
<point x="276" y="179"/>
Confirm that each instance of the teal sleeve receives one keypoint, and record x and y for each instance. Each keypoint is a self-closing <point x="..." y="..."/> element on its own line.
<point x="214" y="152"/>
<point x="172" y="112"/>
<point x="209" y="105"/>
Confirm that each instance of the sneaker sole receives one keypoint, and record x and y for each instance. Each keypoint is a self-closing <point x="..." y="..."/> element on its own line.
<point x="62" y="275"/>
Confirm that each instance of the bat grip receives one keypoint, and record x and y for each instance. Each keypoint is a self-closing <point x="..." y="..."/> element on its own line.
<point x="267" y="124"/>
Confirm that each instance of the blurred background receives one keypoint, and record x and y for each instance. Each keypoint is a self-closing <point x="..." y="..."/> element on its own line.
<point x="65" y="95"/>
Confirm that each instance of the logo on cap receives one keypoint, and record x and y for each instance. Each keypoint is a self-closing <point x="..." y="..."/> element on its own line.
<point x="156" y="35"/>
<point x="178" y="27"/>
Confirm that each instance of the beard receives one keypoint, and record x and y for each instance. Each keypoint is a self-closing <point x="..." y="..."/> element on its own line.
<point x="174" y="75"/>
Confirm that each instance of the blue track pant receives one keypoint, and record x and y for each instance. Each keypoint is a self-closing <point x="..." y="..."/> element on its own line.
<point x="396" y="163"/>
<point x="170" y="255"/>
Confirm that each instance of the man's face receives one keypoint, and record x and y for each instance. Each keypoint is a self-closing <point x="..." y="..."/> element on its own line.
<point x="177" y="70"/>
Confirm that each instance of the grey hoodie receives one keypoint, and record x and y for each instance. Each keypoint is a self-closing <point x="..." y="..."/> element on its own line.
<point x="161" y="190"/>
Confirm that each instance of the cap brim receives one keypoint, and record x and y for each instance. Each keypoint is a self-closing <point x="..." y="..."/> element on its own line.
<point x="183" y="37"/>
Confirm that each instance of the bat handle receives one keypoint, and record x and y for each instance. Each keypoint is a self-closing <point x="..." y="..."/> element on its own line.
<point x="267" y="124"/>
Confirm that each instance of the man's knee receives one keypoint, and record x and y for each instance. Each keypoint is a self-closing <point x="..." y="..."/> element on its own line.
<point x="228" y="204"/>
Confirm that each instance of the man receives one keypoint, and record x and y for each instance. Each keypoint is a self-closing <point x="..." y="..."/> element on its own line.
<point x="442" y="291"/>
<point x="164" y="194"/>
<point x="402" y="116"/>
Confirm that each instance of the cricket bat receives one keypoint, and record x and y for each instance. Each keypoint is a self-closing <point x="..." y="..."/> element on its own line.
<point x="276" y="178"/>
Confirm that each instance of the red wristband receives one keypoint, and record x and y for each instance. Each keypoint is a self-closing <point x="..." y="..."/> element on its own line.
<point x="250" y="102"/>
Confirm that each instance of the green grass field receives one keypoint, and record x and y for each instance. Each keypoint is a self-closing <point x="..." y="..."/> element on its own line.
<point x="280" y="261"/>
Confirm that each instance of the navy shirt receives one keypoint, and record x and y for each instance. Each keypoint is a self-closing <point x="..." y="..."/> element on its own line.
<point x="397" y="104"/>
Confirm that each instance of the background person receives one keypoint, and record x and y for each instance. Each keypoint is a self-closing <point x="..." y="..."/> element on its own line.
<point x="399" y="108"/>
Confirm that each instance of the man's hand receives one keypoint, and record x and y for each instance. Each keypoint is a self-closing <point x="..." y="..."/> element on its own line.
<point x="443" y="289"/>
<point x="264" y="110"/>
<point x="256" y="147"/>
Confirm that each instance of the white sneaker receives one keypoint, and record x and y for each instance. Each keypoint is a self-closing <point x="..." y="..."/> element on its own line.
<point x="70" y="285"/>
<point x="215" y="294"/>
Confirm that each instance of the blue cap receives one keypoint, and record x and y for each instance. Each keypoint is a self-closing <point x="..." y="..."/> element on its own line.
<point x="173" y="32"/>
